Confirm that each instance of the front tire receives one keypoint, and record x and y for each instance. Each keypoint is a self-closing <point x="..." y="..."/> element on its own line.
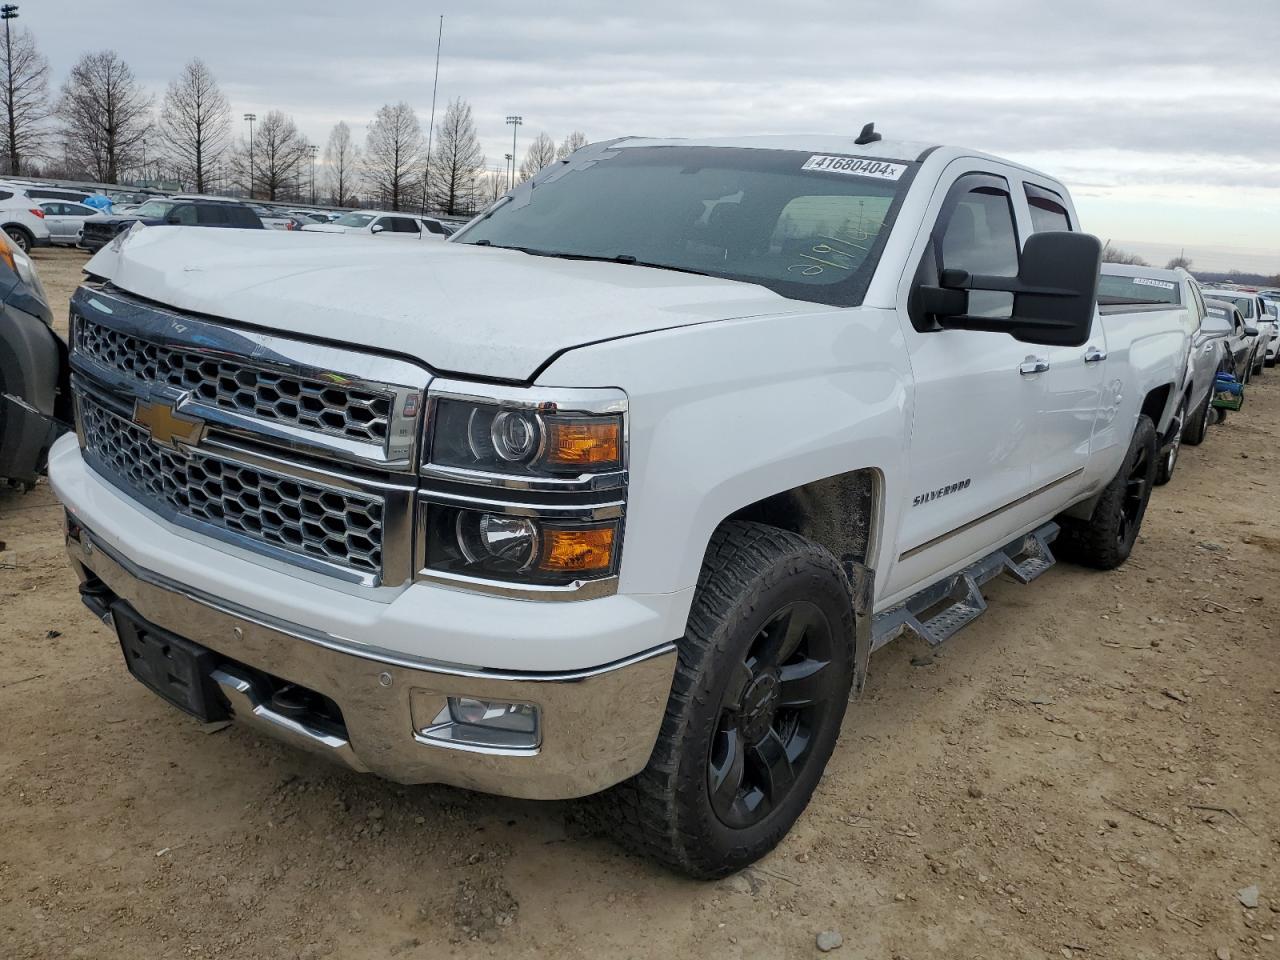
<point x="761" y="685"/>
<point x="1106" y="539"/>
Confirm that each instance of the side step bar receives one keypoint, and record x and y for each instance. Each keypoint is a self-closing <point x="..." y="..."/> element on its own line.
<point x="953" y="603"/>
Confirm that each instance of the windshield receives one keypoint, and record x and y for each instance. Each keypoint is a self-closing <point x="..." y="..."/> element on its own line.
<point x="808" y="227"/>
<point x="1115" y="289"/>
<point x="354" y="220"/>
<point x="1243" y="304"/>
<point x="154" y="208"/>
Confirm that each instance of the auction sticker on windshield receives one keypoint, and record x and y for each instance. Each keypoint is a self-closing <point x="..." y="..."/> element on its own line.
<point x="1162" y="284"/>
<point x="856" y="166"/>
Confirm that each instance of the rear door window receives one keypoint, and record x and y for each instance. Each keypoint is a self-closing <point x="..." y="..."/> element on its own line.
<point x="1048" y="211"/>
<point x="402" y="225"/>
<point x="184" y="213"/>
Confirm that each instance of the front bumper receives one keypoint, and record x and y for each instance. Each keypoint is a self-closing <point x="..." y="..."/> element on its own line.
<point x="597" y="726"/>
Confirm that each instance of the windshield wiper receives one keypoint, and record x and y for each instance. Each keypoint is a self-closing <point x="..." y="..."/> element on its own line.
<point x="624" y="258"/>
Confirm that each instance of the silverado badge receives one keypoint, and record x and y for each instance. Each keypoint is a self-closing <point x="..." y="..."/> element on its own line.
<point x="167" y="427"/>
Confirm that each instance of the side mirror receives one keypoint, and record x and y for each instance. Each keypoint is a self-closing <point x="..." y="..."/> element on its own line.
<point x="1054" y="293"/>
<point x="377" y="228"/>
<point x="1250" y="331"/>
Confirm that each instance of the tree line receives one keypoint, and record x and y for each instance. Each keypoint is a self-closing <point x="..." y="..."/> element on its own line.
<point x="103" y="126"/>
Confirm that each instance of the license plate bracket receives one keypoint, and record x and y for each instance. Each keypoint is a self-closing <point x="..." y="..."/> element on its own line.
<point x="170" y="666"/>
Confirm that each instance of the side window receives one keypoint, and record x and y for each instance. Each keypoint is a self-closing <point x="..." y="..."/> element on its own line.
<point x="184" y="213"/>
<point x="1048" y="211"/>
<point x="403" y="225"/>
<point x="54" y="209"/>
<point x="383" y="222"/>
<point x="210" y="215"/>
<point x="80" y="210"/>
<point x="433" y="227"/>
<point x="5" y="194"/>
<point x="976" y="233"/>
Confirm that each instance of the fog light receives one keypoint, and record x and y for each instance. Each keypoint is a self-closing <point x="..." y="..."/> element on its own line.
<point x="494" y="714"/>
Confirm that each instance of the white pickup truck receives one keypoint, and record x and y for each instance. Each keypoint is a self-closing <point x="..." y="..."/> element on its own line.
<point x="622" y="485"/>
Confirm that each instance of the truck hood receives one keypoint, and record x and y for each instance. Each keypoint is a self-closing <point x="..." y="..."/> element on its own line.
<point x="461" y="309"/>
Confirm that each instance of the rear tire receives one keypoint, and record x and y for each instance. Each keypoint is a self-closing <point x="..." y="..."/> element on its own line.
<point x="1198" y="423"/>
<point x="1106" y="539"/>
<point x="20" y="237"/>
<point x="760" y="689"/>
<point x="1168" y="459"/>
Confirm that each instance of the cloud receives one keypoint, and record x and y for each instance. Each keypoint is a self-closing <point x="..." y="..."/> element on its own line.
<point x="1115" y="97"/>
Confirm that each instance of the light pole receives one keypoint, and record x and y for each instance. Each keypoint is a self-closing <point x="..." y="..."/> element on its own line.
<point x="9" y="12"/>
<point x="511" y="159"/>
<point x="251" y="117"/>
<point x="515" y="126"/>
<point x="313" y="150"/>
<point x="144" y="160"/>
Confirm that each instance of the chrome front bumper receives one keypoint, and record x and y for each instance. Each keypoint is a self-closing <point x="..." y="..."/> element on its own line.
<point x="598" y="726"/>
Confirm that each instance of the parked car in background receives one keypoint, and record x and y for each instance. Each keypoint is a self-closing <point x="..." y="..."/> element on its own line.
<point x="35" y="394"/>
<point x="271" y="218"/>
<point x="1273" y="348"/>
<point x="382" y="223"/>
<point x="1141" y="288"/>
<point x="194" y="211"/>
<point x="1254" y="314"/>
<point x="1241" y="340"/>
<point x="311" y="216"/>
<point x="65" y="220"/>
<point x="100" y="230"/>
<point x="23" y="221"/>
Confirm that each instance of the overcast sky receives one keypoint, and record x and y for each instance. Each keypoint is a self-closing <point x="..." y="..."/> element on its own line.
<point x="1163" y="118"/>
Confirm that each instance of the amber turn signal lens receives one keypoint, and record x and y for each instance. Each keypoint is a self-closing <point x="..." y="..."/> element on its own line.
<point x="579" y="550"/>
<point x="584" y="443"/>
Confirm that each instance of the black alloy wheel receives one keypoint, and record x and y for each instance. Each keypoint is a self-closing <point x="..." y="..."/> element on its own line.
<point x="1136" y="493"/>
<point x="776" y="698"/>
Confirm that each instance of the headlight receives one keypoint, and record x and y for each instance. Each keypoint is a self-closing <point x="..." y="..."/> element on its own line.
<point x="21" y="264"/>
<point x="524" y="492"/>
<point x="525" y="441"/>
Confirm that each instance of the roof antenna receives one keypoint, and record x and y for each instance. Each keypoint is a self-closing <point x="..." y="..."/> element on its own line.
<point x="868" y="135"/>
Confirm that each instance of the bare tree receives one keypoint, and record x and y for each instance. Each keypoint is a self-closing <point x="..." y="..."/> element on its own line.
<point x="280" y="154"/>
<point x="572" y="142"/>
<point x="26" y="100"/>
<point x="456" y="160"/>
<point x="195" y="120"/>
<point x="342" y="158"/>
<point x="1112" y="254"/>
<point x="1180" y="261"/>
<point x="491" y="185"/>
<point x="541" y="153"/>
<point x="393" y="156"/>
<point x="105" y="115"/>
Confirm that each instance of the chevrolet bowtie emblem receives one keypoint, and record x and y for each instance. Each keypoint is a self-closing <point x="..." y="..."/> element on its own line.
<point x="167" y="427"/>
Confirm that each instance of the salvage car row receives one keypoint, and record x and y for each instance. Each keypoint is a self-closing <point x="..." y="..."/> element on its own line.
<point x="373" y="500"/>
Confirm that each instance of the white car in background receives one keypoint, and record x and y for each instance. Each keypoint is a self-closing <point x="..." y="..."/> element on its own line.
<point x="1255" y="313"/>
<point x="23" y="221"/>
<point x="383" y="223"/>
<point x="272" y="219"/>
<point x="65" y="220"/>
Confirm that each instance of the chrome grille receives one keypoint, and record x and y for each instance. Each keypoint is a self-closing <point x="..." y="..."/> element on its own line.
<point x="342" y="411"/>
<point x="338" y="527"/>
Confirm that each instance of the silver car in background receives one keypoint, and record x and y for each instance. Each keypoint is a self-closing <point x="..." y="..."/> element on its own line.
<point x="65" y="220"/>
<point x="1253" y="311"/>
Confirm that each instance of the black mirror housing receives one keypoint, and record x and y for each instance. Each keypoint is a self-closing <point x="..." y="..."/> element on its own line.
<point x="1054" y="294"/>
<point x="1250" y="331"/>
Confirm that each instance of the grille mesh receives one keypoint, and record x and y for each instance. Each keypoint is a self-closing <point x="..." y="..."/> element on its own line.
<point x="341" y="528"/>
<point x="228" y="385"/>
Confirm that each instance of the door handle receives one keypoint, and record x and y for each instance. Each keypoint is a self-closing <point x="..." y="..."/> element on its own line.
<point x="1032" y="366"/>
<point x="1094" y="355"/>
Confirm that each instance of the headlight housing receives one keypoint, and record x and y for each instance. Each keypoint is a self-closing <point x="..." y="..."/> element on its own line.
<point x="524" y="491"/>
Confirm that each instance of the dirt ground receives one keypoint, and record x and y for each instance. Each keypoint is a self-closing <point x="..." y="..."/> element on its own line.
<point x="1091" y="770"/>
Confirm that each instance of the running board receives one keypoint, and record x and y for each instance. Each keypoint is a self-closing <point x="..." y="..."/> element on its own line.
<point x="939" y="612"/>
